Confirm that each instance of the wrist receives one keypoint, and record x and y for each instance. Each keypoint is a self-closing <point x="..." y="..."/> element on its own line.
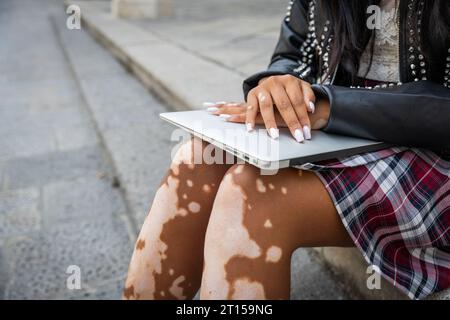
<point x="319" y="119"/>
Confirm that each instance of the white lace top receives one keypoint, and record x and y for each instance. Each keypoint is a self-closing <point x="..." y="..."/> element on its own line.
<point x="385" y="62"/>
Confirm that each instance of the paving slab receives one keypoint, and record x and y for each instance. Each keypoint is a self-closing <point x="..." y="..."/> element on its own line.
<point x="58" y="203"/>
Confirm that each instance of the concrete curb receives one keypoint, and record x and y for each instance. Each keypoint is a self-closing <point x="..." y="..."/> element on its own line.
<point x="168" y="67"/>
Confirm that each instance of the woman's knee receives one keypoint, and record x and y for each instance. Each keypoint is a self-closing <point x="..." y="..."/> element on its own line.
<point x="187" y="155"/>
<point x="241" y="236"/>
<point x="246" y="211"/>
<point x="195" y="153"/>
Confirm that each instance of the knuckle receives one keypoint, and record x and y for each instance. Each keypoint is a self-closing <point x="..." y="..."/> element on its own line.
<point x="271" y="81"/>
<point x="252" y="93"/>
<point x="264" y="106"/>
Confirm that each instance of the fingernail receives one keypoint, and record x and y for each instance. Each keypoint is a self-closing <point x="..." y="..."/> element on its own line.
<point x="225" y="116"/>
<point x="221" y="102"/>
<point x="249" y="127"/>
<point x="299" y="135"/>
<point x="274" y="133"/>
<point x="312" y="107"/>
<point x="212" y="109"/>
<point x="307" y="132"/>
<point x="208" y="104"/>
<point x="250" y="107"/>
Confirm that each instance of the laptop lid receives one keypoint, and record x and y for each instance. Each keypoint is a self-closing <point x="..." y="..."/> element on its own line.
<point x="259" y="149"/>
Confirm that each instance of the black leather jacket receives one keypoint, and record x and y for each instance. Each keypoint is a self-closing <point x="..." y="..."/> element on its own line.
<point x="414" y="113"/>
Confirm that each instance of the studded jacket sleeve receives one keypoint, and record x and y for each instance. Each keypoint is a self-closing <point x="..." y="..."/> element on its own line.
<point x="288" y="57"/>
<point x="413" y="114"/>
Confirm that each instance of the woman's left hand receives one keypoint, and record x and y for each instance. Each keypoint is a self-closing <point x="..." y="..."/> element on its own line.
<point x="236" y="112"/>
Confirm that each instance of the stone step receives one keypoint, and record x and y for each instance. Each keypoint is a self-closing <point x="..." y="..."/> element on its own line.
<point x="169" y="71"/>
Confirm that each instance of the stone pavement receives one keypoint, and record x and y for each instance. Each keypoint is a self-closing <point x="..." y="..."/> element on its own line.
<point x="82" y="151"/>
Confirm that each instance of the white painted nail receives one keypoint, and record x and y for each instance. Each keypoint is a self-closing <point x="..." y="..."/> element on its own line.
<point x="212" y="109"/>
<point x="221" y="102"/>
<point x="312" y="107"/>
<point x="225" y="116"/>
<point x="208" y="104"/>
<point x="274" y="133"/>
<point x="307" y="132"/>
<point x="249" y="127"/>
<point x="298" y="134"/>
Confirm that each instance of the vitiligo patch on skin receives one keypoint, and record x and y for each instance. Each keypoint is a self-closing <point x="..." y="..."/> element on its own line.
<point x="222" y="244"/>
<point x="268" y="224"/>
<point x="206" y="188"/>
<point x="283" y="190"/>
<point x="271" y="186"/>
<point x="184" y="196"/>
<point x="273" y="254"/>
<point x="184" y="155"/>
<point x="189" y="183"/>
<point x="171" y="272"/>
<point x="176" y="290"/>
<point x="164" y="208"/>
<point x="260" y="185"/>
<point x="245" y="289"/>
<point x="194" y="207"/>
<point x="239" y="169"/>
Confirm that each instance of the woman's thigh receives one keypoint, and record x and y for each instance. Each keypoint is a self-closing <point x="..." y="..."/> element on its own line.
<point x="291" y="208"/>
<point x="256" y="223"/>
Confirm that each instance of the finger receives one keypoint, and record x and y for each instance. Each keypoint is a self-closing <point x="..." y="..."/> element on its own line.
<point x="242" y="118"/>
<point x="252" y="111"/>
<point x="309" y="97"/>
<point x="238" y="118"/>
<point x="229" y="108"/>
<point x="297" y="99"/>
<point x="266" y="108"/>
<point x="213" y="106"/>
<point x="287" y="112"/>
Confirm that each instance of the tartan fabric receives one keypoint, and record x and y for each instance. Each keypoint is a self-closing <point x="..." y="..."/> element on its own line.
<point x="395" y="204"/>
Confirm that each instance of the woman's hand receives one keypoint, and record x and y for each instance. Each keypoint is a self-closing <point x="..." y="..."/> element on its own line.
<point x="294" y="102"/>
<point x="237" y="112"/>
<point x="292" y="98"/>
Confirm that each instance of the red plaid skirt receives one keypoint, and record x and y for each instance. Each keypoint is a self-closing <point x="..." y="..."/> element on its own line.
<point x="395" y="204"/>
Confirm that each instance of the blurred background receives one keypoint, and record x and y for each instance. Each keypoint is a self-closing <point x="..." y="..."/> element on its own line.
<point x="82" y="149"/>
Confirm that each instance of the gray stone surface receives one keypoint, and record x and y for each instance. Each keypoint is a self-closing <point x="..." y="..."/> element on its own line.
<point x="100" y="247"/>
<point x="81" y="199"/>
<point x="66" y="165"/>
<point x="57" y="203"/>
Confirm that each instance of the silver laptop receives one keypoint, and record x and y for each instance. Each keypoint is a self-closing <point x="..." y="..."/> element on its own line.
<point x="259" y="149"/>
